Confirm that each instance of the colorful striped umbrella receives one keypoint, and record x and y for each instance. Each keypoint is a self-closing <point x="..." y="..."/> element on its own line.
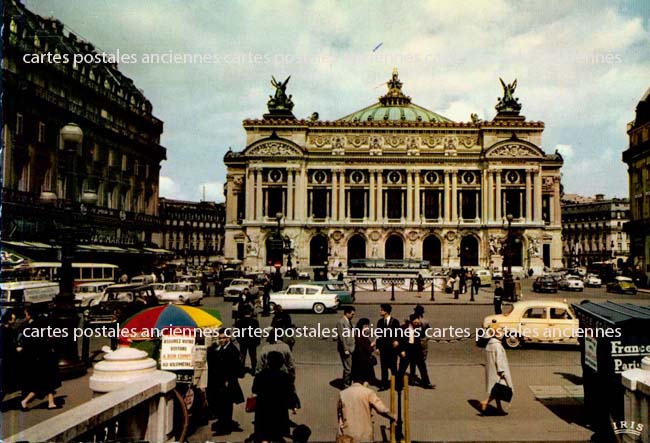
<point x="169" y="319"/>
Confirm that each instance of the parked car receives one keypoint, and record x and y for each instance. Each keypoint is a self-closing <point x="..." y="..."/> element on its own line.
<point x="485" y="276"/>
<point x="593" y="281"/>
<point x="545" y="283"/>
<point x="120" y="302"/>
<point x="622" y="285"/>
<point x="339" y="288"/>
<point x="180" y="293"/>
<point x="143" y="279"/>
<point x="571" y="283"/>
<point x="87" y="294"/>
<point x="237" y="287"/>
<point x="536" y="321"/>
<point x="305" y="298"/>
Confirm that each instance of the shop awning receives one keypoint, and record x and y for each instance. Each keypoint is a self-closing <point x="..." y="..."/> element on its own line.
<point x="158" y="250"/>
<point x="29" y="245"/>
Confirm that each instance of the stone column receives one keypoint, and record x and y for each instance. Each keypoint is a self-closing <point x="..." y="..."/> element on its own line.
<point x="538" y="196"/>
<point x="290" y="194"/>
<point x="380" y="195"/>
<point x="335" y="201"/>
<point x="301" y="203"/>
<point x="409" y="195"/>
<point x="373" y="194"/>
<point x="447" y="201"/>
<point x="417" y="197"/>
<point x="342" y="196"/>
<point x="258" y="196"/>
<point x="454" y="196"/>
<point x="250" y="195"/>
<point x="555" y="203"/>
<point x="529" y="197"/>
<point x="490" y="196"/>
<point x="498" y="216"/>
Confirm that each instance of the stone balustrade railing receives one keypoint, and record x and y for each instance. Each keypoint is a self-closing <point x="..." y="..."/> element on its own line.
<point x="142" y="410"/>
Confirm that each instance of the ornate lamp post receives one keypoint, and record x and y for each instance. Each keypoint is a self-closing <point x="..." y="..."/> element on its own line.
<point x="64" y="314"/>
<point x="508" y="282"/>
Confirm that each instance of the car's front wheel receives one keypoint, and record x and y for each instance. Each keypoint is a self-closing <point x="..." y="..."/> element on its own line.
<point x="271" y="306"/>
<point x="512" y="342"/>
<point x="319" y="308"/>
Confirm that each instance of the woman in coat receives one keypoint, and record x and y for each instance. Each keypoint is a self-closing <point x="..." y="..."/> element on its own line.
<point x="274" y="390"/>
<point x="40" y="363"/>
<point x="497" y="369"/>
<point x="363" y="360"/>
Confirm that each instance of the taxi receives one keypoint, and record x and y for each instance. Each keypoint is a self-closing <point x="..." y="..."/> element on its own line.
<point x="536" y="321"/>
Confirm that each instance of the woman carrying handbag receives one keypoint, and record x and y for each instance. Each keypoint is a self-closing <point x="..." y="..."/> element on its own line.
<point x="498" y="379"/>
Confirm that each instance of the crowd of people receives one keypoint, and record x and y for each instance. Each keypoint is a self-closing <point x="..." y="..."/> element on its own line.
<point x="28" y="364"/>
<point x="400" y="350"/>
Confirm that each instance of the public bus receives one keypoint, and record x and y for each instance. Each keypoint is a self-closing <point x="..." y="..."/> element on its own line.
<point x="82" y="272"/>
<point x="388" y="268"/>
<point x="605" y="270"/>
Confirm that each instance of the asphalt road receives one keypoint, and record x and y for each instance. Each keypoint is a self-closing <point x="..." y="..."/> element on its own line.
<point x="455" y="367"/>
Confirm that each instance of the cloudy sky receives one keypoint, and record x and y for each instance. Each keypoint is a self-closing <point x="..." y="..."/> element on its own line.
<point x="581" y="68"/>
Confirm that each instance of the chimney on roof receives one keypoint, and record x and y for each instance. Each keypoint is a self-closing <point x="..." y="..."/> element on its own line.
<point x="600" y="197"/>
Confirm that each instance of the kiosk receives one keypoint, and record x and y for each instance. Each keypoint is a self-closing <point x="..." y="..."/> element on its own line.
<point x="616" y="338"/>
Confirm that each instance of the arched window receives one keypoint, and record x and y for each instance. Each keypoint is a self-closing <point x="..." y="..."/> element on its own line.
<point x="394" y="249"/>
<point x="356" y="247"/>
<point x="318" y="251"/>
<point x="432" y="250"/>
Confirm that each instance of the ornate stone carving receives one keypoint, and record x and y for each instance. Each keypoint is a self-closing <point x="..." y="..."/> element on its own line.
<point x="375" y="146"/>
<point x="450" y="144"/>
<point x="319" y="140"/>
<point x="273" y="149"/>
<point x="375" y="235"/>
<point x="337" y="236"/>
<point x="412" y="235"/>
<point x="338" y="145"/>
<point x="394" y="141"/>
<point x="513" y="150"/>
<point x="468" y="141"/>
<point x="433" y="141"/>
<point x="450" y="236"/>
<point x="358" y="140"/>
<point x="412" y="147"/>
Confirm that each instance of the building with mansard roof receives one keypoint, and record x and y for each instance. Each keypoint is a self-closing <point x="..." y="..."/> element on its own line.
<point x="394" y="180"/>
<point x="74" y="133"/>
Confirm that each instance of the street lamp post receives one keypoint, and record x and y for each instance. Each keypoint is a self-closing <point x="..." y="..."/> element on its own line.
<point x="64" y="315"/>
<point x="508" y="282"/>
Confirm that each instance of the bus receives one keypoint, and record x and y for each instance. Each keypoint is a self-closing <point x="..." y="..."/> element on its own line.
<point x="17" y="294"/>
<point x="606" y="271"/>
<point x="388" y="268"/>
<point x="82" y="272"/>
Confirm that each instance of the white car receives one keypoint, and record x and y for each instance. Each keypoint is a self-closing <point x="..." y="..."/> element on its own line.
<point x="237" y="287"/>
<point x="304" y="298"/>
<point x="536" y="321"/>
<point x="593" y="281"/>
<point x="180" y="293"/>
<point x="86" y="294"/>
<point x="571" y="283"/>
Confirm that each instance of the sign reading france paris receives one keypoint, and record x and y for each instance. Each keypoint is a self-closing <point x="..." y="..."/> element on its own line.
<point x="627" y="354"/>
<point x="177" y="353"/>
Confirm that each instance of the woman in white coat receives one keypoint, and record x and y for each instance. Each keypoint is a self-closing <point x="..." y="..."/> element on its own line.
<point x="497" y="369"/>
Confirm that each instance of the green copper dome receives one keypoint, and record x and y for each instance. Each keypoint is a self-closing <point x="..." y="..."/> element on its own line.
<point x="395" y="106"/>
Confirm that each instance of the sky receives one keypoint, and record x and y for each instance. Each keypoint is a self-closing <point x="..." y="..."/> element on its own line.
<point x="581" y="68"/>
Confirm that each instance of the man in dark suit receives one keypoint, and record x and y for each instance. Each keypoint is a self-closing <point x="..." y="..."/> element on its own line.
<point x="411" y="352"/>
<point x="387" y="343"/>
<point x="346" y="342"/>
<point x="224" y="368"/>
